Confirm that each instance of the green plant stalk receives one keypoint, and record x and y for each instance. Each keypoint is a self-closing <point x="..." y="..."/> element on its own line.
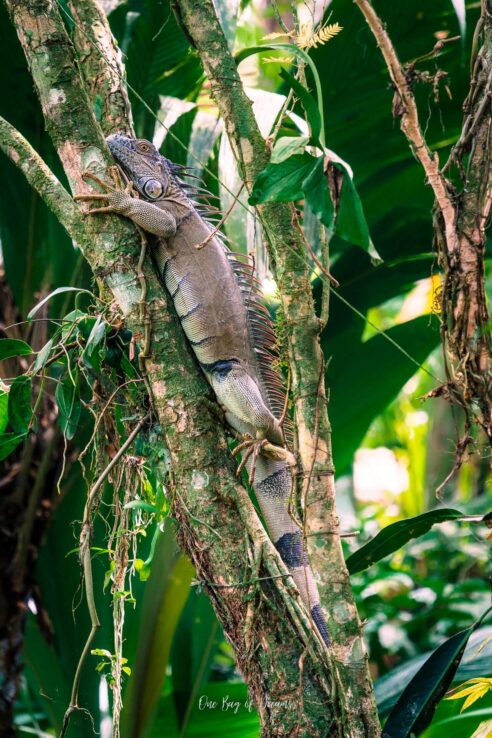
<point x="85" y="557"/>
<point x="293" y="49"/>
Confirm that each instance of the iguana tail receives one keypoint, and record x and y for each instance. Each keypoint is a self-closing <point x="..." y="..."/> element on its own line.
<point x="273" y="487"/>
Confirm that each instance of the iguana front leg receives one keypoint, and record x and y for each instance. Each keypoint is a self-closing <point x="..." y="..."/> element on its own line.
<point x="148" y="216"/>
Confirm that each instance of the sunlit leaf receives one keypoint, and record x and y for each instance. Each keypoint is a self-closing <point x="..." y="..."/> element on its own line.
<point x="288" y="146"/>
<point x="484" y="730"/>
<point x="473" y="690"/>
<point x="140" y="505"/>
<point x="96" y="335"/>
<point x="58" y="291"/>
<point x="460" y="10"/>
<point x="43" y="356"/>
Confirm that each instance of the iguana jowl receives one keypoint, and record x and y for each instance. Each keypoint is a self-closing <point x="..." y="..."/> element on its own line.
<point x="216" y="299"/>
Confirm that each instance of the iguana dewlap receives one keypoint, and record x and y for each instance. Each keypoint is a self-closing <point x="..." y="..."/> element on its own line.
<point x="217" y="301"/>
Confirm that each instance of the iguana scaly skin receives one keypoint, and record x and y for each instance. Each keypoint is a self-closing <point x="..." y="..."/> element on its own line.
<point x="217" y="301"/>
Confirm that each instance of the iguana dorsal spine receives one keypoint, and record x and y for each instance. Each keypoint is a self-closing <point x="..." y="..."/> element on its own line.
<point x="218" y="303"/>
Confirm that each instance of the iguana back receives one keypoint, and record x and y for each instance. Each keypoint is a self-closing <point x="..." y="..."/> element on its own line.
<point x="218" y="303"/>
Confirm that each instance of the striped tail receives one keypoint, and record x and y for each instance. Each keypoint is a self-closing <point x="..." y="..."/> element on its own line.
<point x="272" y="485"/>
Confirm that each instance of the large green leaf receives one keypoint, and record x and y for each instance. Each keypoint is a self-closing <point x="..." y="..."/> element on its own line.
<point x="395" y="536"/>
<point x="476" y="662"/>
<point x="317" y="194"/>
<point x="460" y="726"/>
<point x="415" y="708"/>
<point x="165" y="596"/>
<point x="51" y="667"/>
<point x="37" y="252"/>
<point x="20" y="410"/>
<point x="358" y="102"/>
<point x="13" y="347"/>
<point x="158" y="57"/>
<point x="282" y="182"/>
<point x="195" y="643"/>
<point x="363" y="377"/>
<point x="222" y="709"/>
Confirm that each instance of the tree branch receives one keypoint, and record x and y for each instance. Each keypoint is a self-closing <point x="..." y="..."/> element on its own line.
<point x="291" y="265"/>
<point x="207" y="496"/>
<point x="460" y="220"/>
<point x="406" y="108"/>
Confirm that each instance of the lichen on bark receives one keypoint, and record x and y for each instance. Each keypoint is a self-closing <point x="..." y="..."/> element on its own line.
<point x="209" y="503"/>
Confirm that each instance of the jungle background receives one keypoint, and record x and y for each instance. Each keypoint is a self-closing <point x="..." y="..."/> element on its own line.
<point x="392" y="447"/>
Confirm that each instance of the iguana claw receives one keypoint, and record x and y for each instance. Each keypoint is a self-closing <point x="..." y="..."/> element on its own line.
<point x="250" y="447"/>
<point x="112" y="195"/>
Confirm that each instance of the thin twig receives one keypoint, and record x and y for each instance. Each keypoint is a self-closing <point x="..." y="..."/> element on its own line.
<point x="85" y="557"/>
<point x="410" y="123"/>
<point x="221" y="222"/>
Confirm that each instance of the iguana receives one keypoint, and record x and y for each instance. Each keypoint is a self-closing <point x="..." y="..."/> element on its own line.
<point x="218" y="303"/>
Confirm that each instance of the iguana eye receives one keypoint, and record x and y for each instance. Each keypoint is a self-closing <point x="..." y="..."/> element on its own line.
<point x="153" y="188"/>
<point x="144" y="147"/>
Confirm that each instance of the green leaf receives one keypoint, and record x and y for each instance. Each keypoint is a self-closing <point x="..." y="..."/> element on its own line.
<point x="58" y="291"/>
<point x="165" y="595"/>
<point x="13" y="347"/>
<point x="43" y="356"/>
<point x="96" y="335"/>
<point x="195" y="646"/>
<point x="4" y="406"/>
<point x="292" y="49"/>
<point x="282" y="182"/>
<point x="308" y="103"/>
<point x="140" y="505"/>
<point x="317" y="194"/>
<point x="352" y="406"/>
<point x="68" y="400"/>
<point x="458" y="726"/>
<point x="20" y="410"/>
<point x="396" y="535"/>
<point x="9" y="442"/>
<point x="415" y="708"/>
<point x="351" y="224"/>
<point x="474" y="664"/>
<point x="287" y="146"/>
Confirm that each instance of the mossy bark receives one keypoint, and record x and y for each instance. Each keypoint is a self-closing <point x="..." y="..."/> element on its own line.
<point x="281" y="661"/>
<point x="290" y="261"/>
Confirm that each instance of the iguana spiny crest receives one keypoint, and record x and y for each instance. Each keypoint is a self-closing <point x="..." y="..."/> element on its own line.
<point x="217" y="300"/>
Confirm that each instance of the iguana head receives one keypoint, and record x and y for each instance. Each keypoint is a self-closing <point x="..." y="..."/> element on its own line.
<point x="148" y="170"/>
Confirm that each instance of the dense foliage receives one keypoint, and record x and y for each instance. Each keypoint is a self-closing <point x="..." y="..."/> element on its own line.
<point x="391" y="449"/>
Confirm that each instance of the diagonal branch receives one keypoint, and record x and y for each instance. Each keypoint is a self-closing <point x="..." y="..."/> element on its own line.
<point x="406" y="107"/>
<point x="290" y="261"/>
<point x="459" y="223"/>
<point x="208" y="500"/>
